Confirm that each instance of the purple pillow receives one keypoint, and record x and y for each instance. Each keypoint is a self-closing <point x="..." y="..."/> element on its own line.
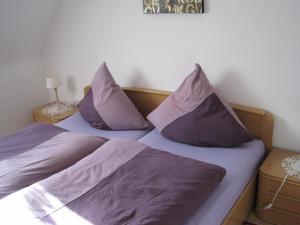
<point x="194" y="114"/>
<point x="106" y="106"/>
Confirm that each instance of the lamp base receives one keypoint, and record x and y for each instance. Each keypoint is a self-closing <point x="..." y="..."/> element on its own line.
<point x="56" y="109"/>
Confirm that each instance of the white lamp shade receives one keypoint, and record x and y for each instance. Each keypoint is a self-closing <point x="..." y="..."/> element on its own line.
<point x="52" y="82"/>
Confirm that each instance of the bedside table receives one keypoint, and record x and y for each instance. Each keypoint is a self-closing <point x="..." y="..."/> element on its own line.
<point x="38" y="116"/>
<point x="286" y="208"/>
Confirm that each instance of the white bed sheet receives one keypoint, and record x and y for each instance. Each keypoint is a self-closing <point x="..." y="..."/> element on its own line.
<point x="241" y="164"/>
<point x="76" y="123"/>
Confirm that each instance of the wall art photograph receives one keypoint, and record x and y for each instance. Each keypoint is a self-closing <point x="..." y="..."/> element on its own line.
<point x="173" y="6"/>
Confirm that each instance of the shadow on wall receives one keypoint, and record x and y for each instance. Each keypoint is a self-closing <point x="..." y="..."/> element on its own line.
<point x="281" y="126"/>
<point x="72" y="88"/>
<point x="206" y="6"/>
<point x="232" y="84"/>
<point x="138" y="79"/>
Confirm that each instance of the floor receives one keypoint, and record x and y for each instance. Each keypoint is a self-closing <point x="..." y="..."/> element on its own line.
<point x="253" y="219"/>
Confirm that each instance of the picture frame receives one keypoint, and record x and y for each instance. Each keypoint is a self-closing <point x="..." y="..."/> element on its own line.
<point x="173" y="6"/>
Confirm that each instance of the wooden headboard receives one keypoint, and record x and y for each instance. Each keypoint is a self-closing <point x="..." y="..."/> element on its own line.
<point x="259" y="122"/>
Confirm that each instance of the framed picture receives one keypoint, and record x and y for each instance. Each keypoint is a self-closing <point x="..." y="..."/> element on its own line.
<point x="173" y="6"/>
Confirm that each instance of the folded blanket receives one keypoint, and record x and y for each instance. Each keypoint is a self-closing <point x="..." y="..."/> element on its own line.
<point x="39" y="151"/>
<point x="122" y="182"/>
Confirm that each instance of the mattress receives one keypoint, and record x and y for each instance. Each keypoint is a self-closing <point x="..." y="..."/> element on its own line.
<point x="76" y="123"/>
<point x="241" y="163"/>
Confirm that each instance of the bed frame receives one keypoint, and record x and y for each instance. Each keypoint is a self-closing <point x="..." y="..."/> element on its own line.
<point x="258" y="122"/>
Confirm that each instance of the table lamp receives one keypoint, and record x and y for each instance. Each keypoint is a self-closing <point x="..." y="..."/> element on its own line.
<point x="53" y="82"/>
<point x="57" y="108"/>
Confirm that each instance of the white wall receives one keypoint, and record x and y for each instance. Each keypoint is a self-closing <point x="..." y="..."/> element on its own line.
<point x="24" y="26"/>
<point x="249" y="50"/>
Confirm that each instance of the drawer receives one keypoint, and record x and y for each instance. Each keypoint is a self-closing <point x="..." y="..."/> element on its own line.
<point x="277" y="216"/>
<point x="281" y="202"/>
<point x="291" y="190"/>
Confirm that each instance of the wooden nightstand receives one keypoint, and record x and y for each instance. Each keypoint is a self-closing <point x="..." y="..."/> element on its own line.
<point x="286" y="208"/>
<point x="38" y="116"/>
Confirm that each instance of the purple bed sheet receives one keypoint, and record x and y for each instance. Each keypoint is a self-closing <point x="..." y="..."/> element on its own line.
<point x="122" y="182"/>
<point x="39" y="151"/>
<point x="76" y="123"/>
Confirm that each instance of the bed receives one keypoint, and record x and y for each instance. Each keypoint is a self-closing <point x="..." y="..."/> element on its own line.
<point x="258" y="121"/>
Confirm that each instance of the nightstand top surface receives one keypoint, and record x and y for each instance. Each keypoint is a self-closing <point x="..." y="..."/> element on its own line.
<point x="272" y="165"/>
<point x="57" y="117"/>
<point x="39" y="108"/>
